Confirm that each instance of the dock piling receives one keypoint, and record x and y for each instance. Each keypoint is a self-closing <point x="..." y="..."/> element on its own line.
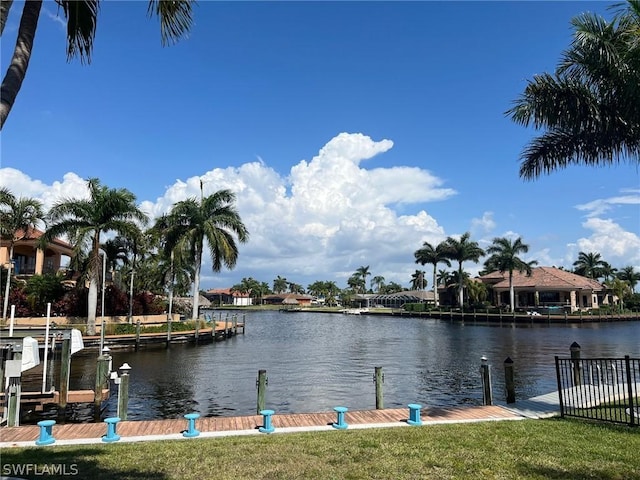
<point x="65" y="367"/>
<point x="137" y="335"/>
<point x="485" y="372"/>
<point x="261" y="384"/>
<point x="123" y="391"/>
<point x="378" y="378"/>
<point x="509" y="380"/>
<point x="102" y="377"/>
<point x="575" y="360"/>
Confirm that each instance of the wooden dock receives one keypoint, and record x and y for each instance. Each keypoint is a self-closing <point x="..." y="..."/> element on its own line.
<point x="83" y="433"/>
<point x="221" y="331"/>
<point x="38" y="400"/>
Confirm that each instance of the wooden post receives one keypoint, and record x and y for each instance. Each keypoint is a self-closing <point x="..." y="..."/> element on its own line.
<point x="509" y="382"/>
<point x="197" y="329"/>
<point x="137" y="335"/>
<point x="485" y="372"/>
<point x="13" y="419"/>
<point x="65" y="367"/>
<point x="123" y="394"/>
<point x="575" y="360"/>
<point x="169" y="331"/>
<point x="102" y="375"/>
<point x="235" y="324"/>
<point x="13" y="372"/>
<point x="378" y="378"/>
<point x="226" y="326"/>
<point x="261" y="383"/>
<point x="244" y="322"/>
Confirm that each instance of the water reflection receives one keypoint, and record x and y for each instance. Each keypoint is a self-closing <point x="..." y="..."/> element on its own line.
<point x="317" y="361"/>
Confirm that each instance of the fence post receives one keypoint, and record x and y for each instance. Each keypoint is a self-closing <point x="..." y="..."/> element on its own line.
<point x="632" y="409"/>
<point x="575" y="361"/>
<point x="261" y="383"/>
<point x="485" y="372"/>
<point x="378" y="378"/>
<point x="509" y="382"/>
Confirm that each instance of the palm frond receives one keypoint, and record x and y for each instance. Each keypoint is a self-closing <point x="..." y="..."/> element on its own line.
<point x="175" y="18"/>
<point x="82" y="19"/>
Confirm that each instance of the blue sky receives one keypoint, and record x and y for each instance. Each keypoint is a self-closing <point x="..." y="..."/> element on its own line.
<point x="351" y="132"/>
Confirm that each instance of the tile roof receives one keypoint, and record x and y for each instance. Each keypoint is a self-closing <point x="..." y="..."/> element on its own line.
<point x="35" y="234"/>
<point x="543" y="278"/>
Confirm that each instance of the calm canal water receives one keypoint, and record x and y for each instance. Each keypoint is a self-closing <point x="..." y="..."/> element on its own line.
<point x="317" y="361"/>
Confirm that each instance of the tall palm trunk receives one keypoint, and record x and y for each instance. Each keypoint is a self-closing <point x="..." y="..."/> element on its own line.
<point x="172" y="276"/>
<point x="196" y="283"/>
<point x="5" y="306"/>
<point x="92" y="305"/>
<point x="512" y="300"/>
<point x="21" y="55"/>
<point x="435" y="285"/>
<point x="5" y="7"/>
<point x="460" y="286"/>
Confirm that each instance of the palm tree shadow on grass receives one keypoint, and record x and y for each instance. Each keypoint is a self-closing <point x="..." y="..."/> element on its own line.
<point x="31" y="463"/>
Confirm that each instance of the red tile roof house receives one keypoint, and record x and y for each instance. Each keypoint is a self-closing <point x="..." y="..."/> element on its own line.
<point x="301" y="299"/>
<point x="224" y="296"/>
<point x="547" y="287"/>
<point x="29" y="259"/>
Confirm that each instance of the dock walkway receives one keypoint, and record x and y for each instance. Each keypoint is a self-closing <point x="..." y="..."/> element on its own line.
<point x="148" y="430"/>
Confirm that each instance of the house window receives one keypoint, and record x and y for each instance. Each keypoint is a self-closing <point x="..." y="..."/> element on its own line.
<point x="549" y="297"/>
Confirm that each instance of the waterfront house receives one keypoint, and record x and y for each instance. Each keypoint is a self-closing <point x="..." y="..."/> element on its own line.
<point x="547" y="288"/>
<point x="301" y="299"/>
<point x="226" y="296"/>
<point x="393" y="300"/>
<point x="29" y="259"/>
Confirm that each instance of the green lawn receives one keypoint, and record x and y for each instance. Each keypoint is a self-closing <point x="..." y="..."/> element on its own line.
<point x="529" y="449"/>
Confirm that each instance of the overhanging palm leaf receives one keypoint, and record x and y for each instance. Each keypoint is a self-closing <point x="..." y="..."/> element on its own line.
<point x="82" y="20"/>
<point x="590" y="107"/>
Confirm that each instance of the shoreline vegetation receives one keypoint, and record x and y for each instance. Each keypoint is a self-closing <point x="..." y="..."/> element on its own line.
<point x="526" y="449"/>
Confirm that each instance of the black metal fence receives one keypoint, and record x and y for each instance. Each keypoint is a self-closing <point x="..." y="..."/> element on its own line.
<point x="605" y="389"/>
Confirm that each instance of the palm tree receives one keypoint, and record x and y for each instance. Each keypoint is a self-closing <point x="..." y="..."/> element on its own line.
<point x="363" y="272"/>
<point x="417" y="280"/>
<point x="589" y="265"/>
<point x="607" y="271"/>
<point x="167" y="269"/>
<point x="462" y="250"/>
<point x="590" y="107"/>
<point x="504" y="258"/>
<point x="629" y="275"/>
<point x="82" y="17"/>
<point x="18" y="216"/>
<point x="116" y="252"/>
<point x="280" y="284"/>
<point x="213" y="219"/>
<point x="84" y="220"/>
<point x="378" y="281"/>
<point x="432" y="255"/>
